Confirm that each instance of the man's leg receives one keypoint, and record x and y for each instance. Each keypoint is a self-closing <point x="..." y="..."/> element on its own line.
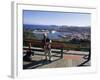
<point x="49" y="54"/>
<point x="45" y="52"/>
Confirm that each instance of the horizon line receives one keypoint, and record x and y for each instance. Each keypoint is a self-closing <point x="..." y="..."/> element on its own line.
<point x="60" y="25"/>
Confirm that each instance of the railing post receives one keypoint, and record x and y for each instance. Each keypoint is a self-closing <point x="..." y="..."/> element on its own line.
<point x="29" y="45"/>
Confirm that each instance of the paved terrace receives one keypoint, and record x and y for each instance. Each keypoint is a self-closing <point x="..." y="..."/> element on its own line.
<point x="70" y="58"/>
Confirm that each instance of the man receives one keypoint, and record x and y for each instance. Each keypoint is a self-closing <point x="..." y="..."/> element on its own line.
<point x="47" y="47"/>
<point x="29" y="53"/>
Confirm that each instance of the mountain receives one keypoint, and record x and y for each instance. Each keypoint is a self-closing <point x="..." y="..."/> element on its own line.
<point x="39" y="27"/>
<point x="74" y="29"/>
<point x="68" y="29"/>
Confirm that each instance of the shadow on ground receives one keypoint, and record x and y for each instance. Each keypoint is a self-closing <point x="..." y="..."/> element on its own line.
<point x="34" y="64"/>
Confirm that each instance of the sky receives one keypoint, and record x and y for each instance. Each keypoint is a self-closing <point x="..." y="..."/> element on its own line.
<point x="56" y="18"/>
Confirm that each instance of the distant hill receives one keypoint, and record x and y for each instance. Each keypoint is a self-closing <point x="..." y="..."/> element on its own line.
<point x="69" y="29"/>
<point x="39" y="27"/>
<point x="74" y="29"/>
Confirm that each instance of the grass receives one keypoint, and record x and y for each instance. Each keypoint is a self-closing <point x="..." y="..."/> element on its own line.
<point x="81" y="46"/>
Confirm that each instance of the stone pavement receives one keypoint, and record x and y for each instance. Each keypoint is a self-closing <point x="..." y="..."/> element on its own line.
<point x="70" y="59"/>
